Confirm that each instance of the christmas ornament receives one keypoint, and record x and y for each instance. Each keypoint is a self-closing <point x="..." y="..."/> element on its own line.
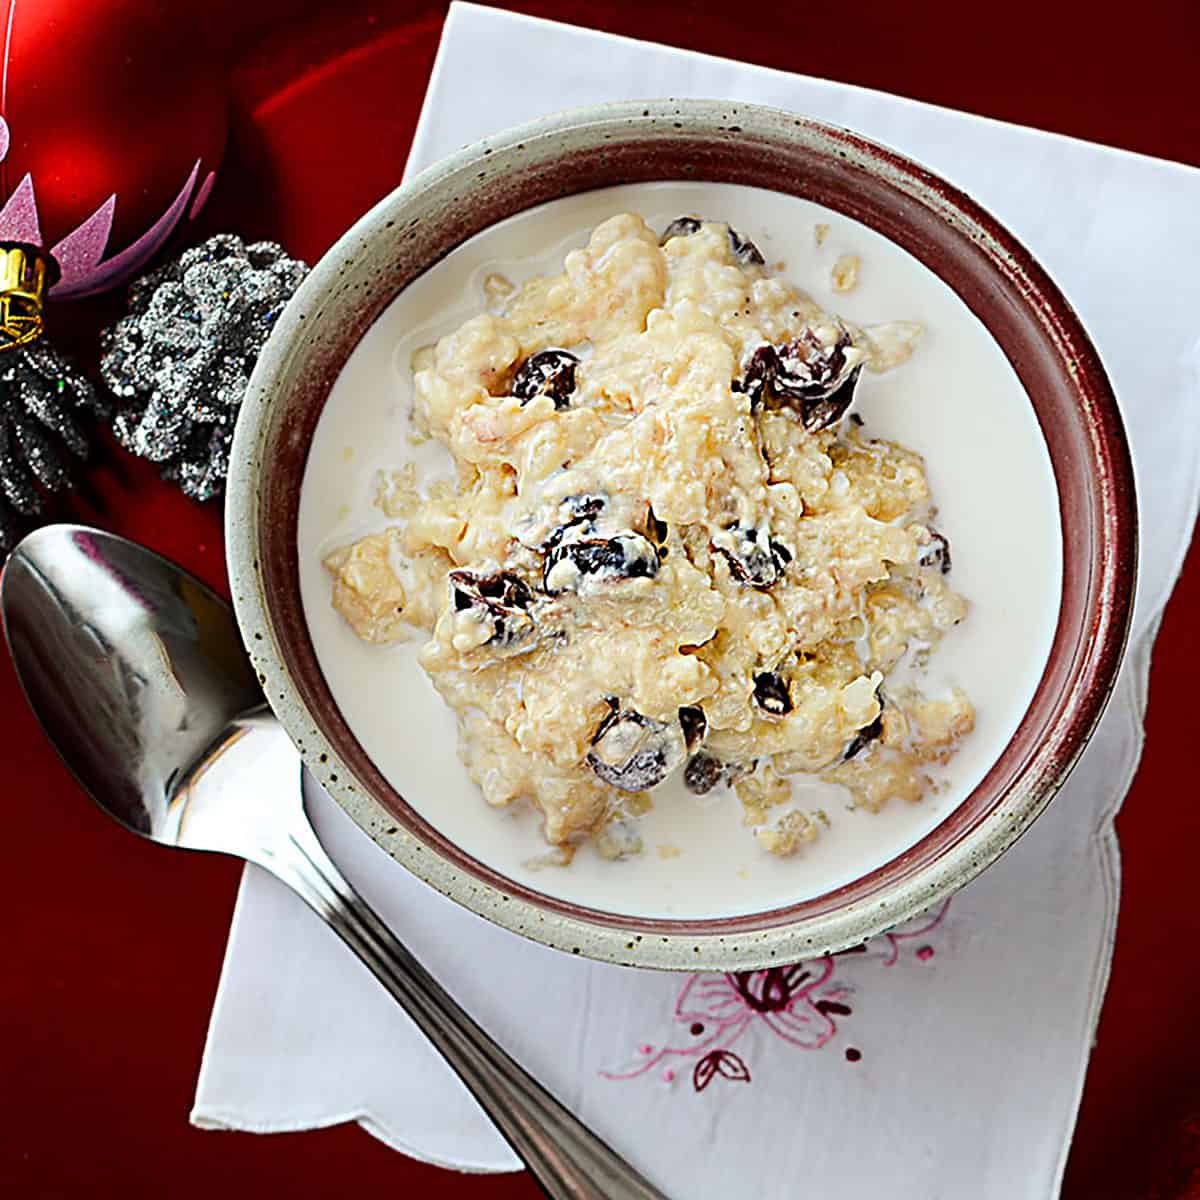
<point x="179" y="363"/>
<point x="41" y="394"/>
<point x="115" y="119"/>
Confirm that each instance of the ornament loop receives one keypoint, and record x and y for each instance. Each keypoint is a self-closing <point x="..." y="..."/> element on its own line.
<point x="25" y="275"/>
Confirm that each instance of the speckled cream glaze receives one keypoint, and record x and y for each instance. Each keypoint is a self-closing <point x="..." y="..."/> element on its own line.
<point x="994" y="275"/>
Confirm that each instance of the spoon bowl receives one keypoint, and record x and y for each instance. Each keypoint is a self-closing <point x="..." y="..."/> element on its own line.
<point x="133" y="667"/>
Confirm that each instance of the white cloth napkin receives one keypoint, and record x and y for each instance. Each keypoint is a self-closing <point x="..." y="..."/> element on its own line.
<point x="945" y="1061"/>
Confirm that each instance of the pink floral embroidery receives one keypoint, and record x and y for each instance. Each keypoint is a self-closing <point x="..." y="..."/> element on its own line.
<point x="798" y="1004"/>
<point x="887" y="946"/>
<point x="713" y="1011"/>
<point x="719" y="1062"/>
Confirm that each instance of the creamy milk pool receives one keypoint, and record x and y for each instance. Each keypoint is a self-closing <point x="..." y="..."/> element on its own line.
<point x="957" y="401"/>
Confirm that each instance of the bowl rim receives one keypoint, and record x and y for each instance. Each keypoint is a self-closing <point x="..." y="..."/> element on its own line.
<point x="665" y="943"/>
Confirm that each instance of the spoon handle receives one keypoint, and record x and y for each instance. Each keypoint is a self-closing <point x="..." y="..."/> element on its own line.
<point x="567" y="1159"/>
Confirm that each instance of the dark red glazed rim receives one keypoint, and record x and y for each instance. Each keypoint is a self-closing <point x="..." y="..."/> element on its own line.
<point x="990" y="270"/>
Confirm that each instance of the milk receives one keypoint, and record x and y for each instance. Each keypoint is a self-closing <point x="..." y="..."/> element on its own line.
<point x="958" y="402"/>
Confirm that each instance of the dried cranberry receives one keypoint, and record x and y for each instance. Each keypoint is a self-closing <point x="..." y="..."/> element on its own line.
<point x="757" y="374"/>
<point x="744" y="250"/>
<point x="680" y="227"/>
<point x="808" y="369"/>
<point x="867" y="734"/>
<point x="585" y="506"/>
<point x="806" y="375"/>
<point x="503" y="588"/>
<point x="502" y="599"/>
<point x="570" y="562"/>
<point x="546" y="373"/>
<point x="829" y="410"/>
<point x="754" y="558"/>
<point x="702" y="773"/>
<point x="633" y="752"/>
<point x="936" y="553"/>
<point x="694" y="724"/>
<point x="771" y="694"/>
<point x="817" y="376"/>
<point x="656" y="530"/>
<point x="578" y="515"/>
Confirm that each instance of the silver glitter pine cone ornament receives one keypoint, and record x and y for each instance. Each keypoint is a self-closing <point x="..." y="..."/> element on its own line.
<point x="179" y="362"/>
<point x="45" y="400"/>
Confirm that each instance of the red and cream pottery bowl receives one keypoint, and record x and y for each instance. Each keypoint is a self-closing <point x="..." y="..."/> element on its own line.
<point x="997" y="279"/>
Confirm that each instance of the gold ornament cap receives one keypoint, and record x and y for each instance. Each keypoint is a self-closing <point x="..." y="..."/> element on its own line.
<point x="26" y="274"/>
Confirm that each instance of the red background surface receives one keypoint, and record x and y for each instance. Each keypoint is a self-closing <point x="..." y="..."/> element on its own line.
<point x="113" y="949"/>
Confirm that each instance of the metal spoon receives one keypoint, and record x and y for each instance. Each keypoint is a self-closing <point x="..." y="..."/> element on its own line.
<point x="137" y="674"/>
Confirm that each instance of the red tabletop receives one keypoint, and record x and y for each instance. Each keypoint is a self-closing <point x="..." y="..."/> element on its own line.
<point x="114" y="948"/>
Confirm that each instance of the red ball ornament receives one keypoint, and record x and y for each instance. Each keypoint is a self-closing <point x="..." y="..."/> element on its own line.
<point x="114" y="119"/>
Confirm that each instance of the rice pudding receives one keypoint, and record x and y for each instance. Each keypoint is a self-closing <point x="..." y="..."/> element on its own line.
<point x="635" y="533"/>
<point x="662" y="551"/>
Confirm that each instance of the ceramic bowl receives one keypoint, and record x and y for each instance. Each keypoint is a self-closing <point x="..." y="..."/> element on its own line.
<point x="994" y="275"/>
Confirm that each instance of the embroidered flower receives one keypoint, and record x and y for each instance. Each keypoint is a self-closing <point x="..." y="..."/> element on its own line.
<point x="799" y="1004"/>
<point x="713" y="1011"/>
<point x="886" y="947"/>
<point x="719" y="1062"/>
